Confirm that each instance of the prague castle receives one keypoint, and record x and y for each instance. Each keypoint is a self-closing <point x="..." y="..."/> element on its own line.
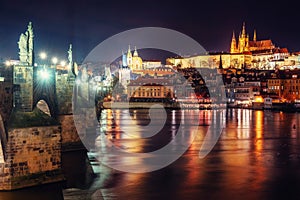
<point x="244" y="44"/>
<point x="243" y="54"/>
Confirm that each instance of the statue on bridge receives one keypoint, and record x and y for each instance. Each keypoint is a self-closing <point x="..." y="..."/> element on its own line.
<point x="26" y="46"/>
<point x="70" y="57"/>
<point x="23" y="53"/>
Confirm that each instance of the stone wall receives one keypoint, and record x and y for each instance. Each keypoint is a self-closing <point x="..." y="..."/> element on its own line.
<point x="33" y="156"/>
<point x="6" y="100"/>
<point x="64" y="92"/>
<point x="23" y="96"/>
<point x="68" y="130"/>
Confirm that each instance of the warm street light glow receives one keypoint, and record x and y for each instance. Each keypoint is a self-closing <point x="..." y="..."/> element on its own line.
<point x="43" y="55"/>
<point x="7" y="63"/>
<point x="63" y="63"/>
<point x="54" y="60"/>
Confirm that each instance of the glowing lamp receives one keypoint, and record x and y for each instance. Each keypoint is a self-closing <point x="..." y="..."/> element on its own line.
<point x="7" y="63"/>
<point x="54" y="60"/>
<point x="43" y="55"/>
<point x="63" y="63"/>
<point x="44" y="74"/>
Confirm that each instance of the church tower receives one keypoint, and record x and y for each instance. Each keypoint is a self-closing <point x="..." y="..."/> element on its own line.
<point x="233" y="44"/>
<point x="124" y="60"/>
<point x="135" y="53"/>
<point x="243" y="41"/>
<point x="129" y="57"/>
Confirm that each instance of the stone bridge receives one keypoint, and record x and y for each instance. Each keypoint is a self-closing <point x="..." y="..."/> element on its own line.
<point x="36" y="119"/>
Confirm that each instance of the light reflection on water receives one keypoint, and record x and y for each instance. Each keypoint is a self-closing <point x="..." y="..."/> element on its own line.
<point x="257" y="157"/>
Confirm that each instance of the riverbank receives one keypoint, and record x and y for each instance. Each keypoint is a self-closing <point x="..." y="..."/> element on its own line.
<point x="175" y="106"/>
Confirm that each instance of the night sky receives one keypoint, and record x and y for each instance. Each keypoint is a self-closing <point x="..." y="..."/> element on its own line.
<point x="87" y="23"/>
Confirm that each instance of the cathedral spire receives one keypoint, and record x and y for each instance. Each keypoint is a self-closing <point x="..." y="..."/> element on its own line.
<point x="233" y="44"/>
<point x="244" y="30"/>
<point x="233" y="35"/>
<point x="254" y="36"/>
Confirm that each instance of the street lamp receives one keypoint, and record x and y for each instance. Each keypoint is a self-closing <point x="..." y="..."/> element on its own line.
<point x="54" y="60"/>
<point x="7" y="63"/>
<point x="43" y="55"/>
<point x="63" y="63"/>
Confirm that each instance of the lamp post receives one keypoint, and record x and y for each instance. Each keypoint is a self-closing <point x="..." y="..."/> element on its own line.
<point x="63" y="63"/>
<point x="43" y="56"/>
<point x="54" y="61"/>
<point x="44" y="74"/>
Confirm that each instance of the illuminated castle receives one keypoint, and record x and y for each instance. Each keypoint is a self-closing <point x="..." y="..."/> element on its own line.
<point x="244" y="45"/>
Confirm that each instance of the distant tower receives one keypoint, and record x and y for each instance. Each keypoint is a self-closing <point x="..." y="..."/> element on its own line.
<point x="124" y="60"/>
<point x="243" y="40"/>
<point x="129" y="57"/>
<point x="124" y="76"/>
<point x="244" y="30"/>
<point x="137" y="62"/>
<point x="254" y="36"/>
<point x="247" y="44"/>
<point x="135" y="53"/>
<point x="233" y="44"/>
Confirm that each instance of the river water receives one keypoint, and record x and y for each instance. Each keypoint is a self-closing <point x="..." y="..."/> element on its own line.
<point x="256" y="157"/>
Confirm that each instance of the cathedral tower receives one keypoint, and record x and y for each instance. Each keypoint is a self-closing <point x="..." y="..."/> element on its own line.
<point x="233" y="48"/>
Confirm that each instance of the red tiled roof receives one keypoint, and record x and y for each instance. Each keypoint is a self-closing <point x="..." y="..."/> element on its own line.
<point x="261" y="43"/>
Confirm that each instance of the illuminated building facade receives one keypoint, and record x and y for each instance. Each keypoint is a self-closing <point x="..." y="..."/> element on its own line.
<point x="145" y="88"/>
<point x="286" y="86"/>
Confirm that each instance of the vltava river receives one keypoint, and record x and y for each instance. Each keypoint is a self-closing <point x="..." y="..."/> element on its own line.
<point x="256" y="157"/>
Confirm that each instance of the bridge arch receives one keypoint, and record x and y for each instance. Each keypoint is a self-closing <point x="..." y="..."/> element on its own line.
<point x="47" y="105"/>
<point x="43" y="106"/>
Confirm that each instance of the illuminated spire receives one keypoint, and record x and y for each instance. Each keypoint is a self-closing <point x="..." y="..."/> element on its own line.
<point x="254" y="36"/>
<point x="135" y="53"/>
<point x="129" y="52"/>
<point x="244" y="30"/>
<point x="233" y="44"/>
<point x="129" y="57"/>
<point x="233" y="35"/>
